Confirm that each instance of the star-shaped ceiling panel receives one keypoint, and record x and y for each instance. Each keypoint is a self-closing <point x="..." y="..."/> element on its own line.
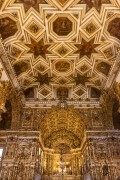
<point x="38" y="48"/>
<point x="59" y="44"/>
<point x="86" y="48"/>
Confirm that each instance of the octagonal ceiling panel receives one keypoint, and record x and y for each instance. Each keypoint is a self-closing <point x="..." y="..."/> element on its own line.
<point x="62" y="26"/>
<point x="52" y="44"/>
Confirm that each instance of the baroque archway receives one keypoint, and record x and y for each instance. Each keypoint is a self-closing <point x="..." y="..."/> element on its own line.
<point x="61" y="133"/>
<point x="62" y="126"/>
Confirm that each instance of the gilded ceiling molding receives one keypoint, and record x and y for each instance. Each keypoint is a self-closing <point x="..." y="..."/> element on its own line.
<point x="7" y="66"/>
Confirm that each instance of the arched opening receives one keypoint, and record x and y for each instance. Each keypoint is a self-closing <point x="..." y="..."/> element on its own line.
<point x="62" y="133"/>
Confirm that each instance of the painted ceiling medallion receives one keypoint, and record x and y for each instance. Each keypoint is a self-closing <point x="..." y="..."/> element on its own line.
<point x="114" y="28"/>
<point x="8" y="27"/>
<point x="38" y="48"/>
<point x="86" y="48"/>
<point x="62" y="66"/>
<point x="94" y="3"/>
<point x="62" y="26"/>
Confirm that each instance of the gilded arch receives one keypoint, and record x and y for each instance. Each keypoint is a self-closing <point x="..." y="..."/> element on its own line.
<point x="62" y="126"/>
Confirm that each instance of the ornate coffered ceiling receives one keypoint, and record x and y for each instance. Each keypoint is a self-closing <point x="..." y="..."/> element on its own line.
<point x="57" y="46"/>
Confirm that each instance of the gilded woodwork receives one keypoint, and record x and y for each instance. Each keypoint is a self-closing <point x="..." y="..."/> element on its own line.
<point x="20" y="157"/>
<point x="60" y="51"/>
<point x="4" y="91"/>
<point x="57" y="126"/>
